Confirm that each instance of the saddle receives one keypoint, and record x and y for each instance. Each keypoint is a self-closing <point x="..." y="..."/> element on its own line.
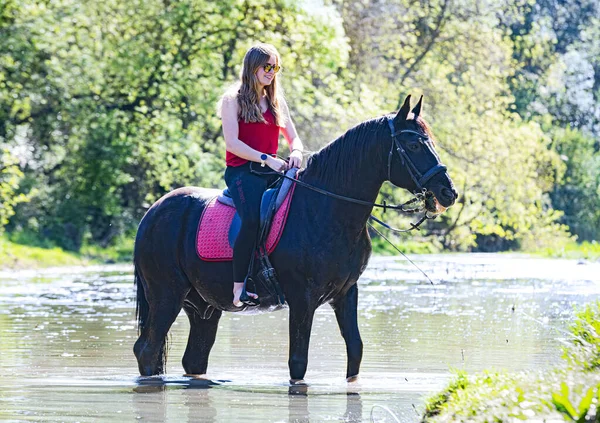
<point x="220" y="224"/>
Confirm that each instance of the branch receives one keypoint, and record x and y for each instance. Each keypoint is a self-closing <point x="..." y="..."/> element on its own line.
<point x="439" y="26"/>
<point x="458" y="156"/>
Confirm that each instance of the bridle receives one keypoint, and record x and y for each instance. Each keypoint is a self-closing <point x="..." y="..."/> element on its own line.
<point x="419" y="179"/>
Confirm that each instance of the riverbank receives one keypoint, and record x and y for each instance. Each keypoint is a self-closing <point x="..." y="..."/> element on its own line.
<point x="23" y="255"/>
<point x="32" y="253"/>
<point x="568" y="393"/>
<point x="573" y="250"/>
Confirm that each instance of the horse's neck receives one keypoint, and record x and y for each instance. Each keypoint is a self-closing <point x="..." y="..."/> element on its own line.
<point x="362" y="178"/>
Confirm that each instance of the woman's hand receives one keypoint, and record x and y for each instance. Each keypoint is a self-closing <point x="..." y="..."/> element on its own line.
<point x="276" y="164"/>
<point x="295" y="159"/>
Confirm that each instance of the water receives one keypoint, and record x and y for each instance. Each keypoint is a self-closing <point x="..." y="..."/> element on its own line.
<point x="66" y="337"/>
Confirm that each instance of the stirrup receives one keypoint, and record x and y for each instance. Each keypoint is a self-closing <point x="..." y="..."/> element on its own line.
<point x="247" y="299"/>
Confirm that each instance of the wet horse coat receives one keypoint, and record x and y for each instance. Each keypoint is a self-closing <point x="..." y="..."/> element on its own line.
<point x="319" y="258"/>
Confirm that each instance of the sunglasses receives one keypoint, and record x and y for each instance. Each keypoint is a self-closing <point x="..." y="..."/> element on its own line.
<point x="267" y="68"/>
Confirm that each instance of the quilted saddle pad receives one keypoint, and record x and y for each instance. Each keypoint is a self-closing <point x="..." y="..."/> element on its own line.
<point x="212" y="242"/>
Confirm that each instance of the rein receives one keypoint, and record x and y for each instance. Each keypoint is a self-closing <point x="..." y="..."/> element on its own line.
<point x="419" y="179"/>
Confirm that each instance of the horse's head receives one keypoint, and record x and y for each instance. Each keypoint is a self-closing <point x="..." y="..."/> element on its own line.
<point x="413" y="163"/>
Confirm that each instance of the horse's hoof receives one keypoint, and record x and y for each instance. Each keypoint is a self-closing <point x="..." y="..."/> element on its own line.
<point x="299" y="389"/>
<point x="195" y="376"/>
<point x="352" y="379"/>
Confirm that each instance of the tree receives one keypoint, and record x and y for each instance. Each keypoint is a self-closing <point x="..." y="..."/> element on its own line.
<point x="117" y="101"/>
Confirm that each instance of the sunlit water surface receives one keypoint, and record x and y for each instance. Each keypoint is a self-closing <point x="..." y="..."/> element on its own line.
<point x="66" y="338"/>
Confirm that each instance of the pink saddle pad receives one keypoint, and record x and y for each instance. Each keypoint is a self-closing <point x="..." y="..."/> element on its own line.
<point x="212" y="242"/>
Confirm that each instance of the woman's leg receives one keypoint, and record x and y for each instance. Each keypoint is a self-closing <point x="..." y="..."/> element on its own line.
<point x="246" y="189"/>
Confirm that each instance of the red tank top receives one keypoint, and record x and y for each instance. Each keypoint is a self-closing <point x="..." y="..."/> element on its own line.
<point x="263" y="137"/>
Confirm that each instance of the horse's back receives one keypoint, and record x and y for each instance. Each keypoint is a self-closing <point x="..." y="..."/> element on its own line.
<point x="168" y="220"/>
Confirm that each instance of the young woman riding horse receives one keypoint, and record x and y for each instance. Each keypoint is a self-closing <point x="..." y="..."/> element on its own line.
<point x="253" y="113"/>
<point x="318" y="259"/>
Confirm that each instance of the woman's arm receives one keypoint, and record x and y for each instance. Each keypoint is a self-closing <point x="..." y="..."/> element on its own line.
<point x="229" y="118"/>
<point x="290" y="134"/>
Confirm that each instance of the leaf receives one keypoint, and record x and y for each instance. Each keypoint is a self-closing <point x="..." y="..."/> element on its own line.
<point x="562" y="403"/>
<point x="584" y="405"/>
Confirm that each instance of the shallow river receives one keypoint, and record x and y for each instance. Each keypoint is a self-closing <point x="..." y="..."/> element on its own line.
<point x="66" y="338"/>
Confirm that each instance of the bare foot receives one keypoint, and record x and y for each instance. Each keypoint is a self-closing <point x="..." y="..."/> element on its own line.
<point x="238" y="287"/>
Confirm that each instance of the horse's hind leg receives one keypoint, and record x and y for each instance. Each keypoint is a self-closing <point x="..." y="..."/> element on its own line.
<point x="345" y="309"/>
<point x="163" y="302"/>
<point x="204" y="322"/>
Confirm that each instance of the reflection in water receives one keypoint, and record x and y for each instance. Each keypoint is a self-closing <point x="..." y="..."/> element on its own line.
<point x="298" y="404"/>
<point x="150" y="403"/>
<point x="179" y="400"/>
<point x="154" y="394"/>
<point x="354" y="409"/>
<point x="66" y="339"/>
<point x="199" y="405"/>
<point x="299" y="399"/>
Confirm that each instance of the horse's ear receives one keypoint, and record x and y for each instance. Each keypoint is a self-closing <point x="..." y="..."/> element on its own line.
<point x="417" y="110"/>
<point x="404" y="110"/>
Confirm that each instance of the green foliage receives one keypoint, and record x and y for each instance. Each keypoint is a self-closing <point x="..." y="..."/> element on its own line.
<point x="118" y="108"/>
<point x="585" y="250"/>
<point x="462" y="61"/>
<point x="109" y="105"/>
<point x="381" y="246"/>
<point x="569" y="392"/>
<point x="585" y="350"/>
<point x="120" y="250"/>
<point x="435" y="405"/>
<point x="10" y="175"/>
<point x="25" y="250"/>
<point x="563" y="403"/>
<point x="578" y="193"/>
<point x="19" y="256"/>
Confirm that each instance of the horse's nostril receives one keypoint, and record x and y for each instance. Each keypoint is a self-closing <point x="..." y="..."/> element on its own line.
<point x="449" y="194"/>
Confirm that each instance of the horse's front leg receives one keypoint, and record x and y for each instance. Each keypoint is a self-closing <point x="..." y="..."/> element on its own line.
<point x="345" y="308"/>
<point x="301" y="318"/>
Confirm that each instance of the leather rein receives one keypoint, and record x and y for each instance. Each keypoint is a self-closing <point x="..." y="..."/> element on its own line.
<point x="419" y="179"/>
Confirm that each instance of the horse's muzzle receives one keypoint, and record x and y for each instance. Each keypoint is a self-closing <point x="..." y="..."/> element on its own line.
<point x="445" y="198"/>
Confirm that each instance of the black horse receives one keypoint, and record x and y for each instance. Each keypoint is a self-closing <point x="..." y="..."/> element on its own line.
<point x="321" y="254"/>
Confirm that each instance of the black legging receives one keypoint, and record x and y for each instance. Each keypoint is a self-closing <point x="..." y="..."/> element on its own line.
<point x="246" y="189"/>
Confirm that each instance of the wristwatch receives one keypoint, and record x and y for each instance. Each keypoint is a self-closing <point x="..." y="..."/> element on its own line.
<point x="263" y="159"/>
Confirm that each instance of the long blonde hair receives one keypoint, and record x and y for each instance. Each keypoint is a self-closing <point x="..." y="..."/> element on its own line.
<point x="248" y="89"/>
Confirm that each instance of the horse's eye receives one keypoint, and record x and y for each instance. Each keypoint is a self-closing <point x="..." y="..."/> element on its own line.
<point x="414" y="146"/>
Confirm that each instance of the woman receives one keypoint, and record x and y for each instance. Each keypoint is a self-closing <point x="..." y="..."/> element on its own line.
<point x="253" y="114"/>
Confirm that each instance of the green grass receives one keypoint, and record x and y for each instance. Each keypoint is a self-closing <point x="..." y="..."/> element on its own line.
<point x="573" y="250"/>
<point x="382" y="247"/>
<point x="17" y="256"/>
<point x="567" y="393"/>
<point x="27" y="251"/>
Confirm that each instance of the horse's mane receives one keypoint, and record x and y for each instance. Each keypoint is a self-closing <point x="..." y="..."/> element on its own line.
<point x="330" y="165"/>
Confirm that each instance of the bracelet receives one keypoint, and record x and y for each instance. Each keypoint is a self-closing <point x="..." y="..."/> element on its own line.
<point x="297" y="149"/>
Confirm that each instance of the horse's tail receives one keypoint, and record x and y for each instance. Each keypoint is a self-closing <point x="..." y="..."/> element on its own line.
<point x="142" y="308"/>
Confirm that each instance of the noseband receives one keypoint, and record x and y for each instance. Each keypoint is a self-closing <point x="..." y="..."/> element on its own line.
<point x="419" y="179"/>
